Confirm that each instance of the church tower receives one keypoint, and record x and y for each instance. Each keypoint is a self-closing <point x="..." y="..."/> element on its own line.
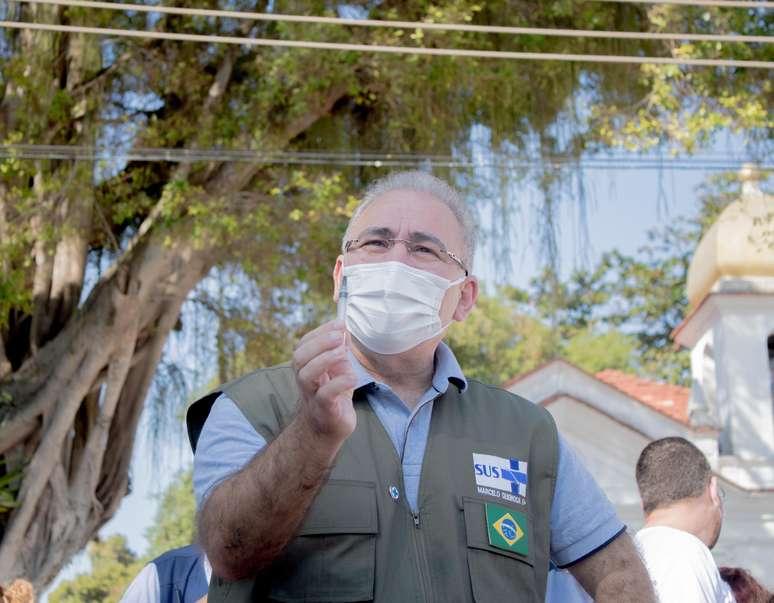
<point x="730" y="332"/>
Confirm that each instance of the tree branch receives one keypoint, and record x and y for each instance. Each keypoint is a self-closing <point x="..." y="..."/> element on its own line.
<point x="88" y="472"/>
<point x="235" y="176"/>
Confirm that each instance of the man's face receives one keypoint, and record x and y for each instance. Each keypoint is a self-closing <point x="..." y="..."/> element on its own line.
<point x="415" y="216"/>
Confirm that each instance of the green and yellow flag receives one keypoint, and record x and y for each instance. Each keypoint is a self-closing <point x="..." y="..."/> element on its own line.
<point x="507" y="529"/>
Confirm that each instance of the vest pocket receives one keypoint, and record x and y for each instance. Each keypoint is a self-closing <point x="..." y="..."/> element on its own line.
<point x="333" y="556"/>
<point x="497" y="574"/>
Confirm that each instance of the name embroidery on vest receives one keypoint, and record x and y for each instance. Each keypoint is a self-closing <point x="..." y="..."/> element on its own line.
<point x="501" y="478"/>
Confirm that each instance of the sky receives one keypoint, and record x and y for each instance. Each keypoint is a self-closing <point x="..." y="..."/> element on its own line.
<point x="621" y="207"/>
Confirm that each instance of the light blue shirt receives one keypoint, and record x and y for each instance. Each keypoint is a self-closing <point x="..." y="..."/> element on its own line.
<point x="582" y="518"/>
<point x="563" y="588"/>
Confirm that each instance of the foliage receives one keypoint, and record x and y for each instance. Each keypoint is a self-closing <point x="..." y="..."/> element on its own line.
<point x="594" y="352"/>
<point x="261" y="308"/>
<point x="501" y="339"/>
<point x="682" y="109"/>
<point x="174" y="525"/>
<point x="114" y="566"/>
<point x="643" y="296"/>
<point x="9" y="489"/>
<point x="497" y="341"/>
<point x="108" y="251"/>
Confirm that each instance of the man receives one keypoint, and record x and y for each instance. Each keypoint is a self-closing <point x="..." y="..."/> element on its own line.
<point x="327" y="480"/>
<point x="683" y="507"/>
<point x="178" y="576"/>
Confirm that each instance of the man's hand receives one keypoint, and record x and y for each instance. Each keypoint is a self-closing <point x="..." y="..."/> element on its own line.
<point x="616" y="574"/>
<point x="250" y="517"/>
<point x="325" y="377"/>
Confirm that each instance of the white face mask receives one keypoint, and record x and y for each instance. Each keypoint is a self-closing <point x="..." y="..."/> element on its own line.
<point x="392" y="307"/>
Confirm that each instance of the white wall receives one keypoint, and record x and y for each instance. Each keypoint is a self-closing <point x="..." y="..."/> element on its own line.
<point x="610" y="450"/>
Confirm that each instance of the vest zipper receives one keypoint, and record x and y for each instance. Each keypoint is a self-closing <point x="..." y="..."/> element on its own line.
<point x="423" y="569"/>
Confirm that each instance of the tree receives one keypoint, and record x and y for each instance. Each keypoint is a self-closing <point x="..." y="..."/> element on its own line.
<point x="498" y="340"/>
<point x="114" y="566"/>
<point x="594" y="352"/>
<point x="502" y="339"/>
<point x="98" y="258"/>
<point x="175" y="522"/>
<point x="643" y="295"/>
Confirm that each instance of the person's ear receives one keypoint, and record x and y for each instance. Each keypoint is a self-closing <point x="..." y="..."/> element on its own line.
<point x="713" y="491"/>
<point x="468" y="297"/>
<point x="337" y="268"/>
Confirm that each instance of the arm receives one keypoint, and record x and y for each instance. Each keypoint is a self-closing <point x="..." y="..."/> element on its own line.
<point x="615" y="573"/>
<point x="249" y="518"/>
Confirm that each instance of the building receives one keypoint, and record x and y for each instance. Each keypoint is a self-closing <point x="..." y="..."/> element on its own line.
<point x="728" y="412"/>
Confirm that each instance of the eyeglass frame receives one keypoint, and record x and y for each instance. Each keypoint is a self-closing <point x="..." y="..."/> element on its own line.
<point x="391" y="243"/>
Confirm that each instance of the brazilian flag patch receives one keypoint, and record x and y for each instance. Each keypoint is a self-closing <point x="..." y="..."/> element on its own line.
<point x="507" y="529"/>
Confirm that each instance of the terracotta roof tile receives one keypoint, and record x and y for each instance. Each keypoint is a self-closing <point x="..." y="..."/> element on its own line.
<point x="671" y="400"/>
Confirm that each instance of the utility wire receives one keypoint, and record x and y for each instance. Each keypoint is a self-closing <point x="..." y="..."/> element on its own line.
<point x="697" y="3"/>
<point x="491" y="54"/>
<point x="371" y="159"/>
<point x="541" y="31"/>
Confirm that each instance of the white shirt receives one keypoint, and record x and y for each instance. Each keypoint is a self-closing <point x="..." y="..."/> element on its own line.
<point x="681" y="567"/>
<point x="145" y="586"/>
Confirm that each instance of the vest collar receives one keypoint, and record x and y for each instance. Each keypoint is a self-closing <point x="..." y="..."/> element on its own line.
<point x="447" y="370"/>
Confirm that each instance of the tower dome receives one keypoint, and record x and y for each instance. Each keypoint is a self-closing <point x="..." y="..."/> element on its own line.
<point x="738" y="249"/>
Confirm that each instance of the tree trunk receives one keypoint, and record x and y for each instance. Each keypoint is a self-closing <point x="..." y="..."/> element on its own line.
<point x="70" y="406"/>
<point x="107" y="352"/>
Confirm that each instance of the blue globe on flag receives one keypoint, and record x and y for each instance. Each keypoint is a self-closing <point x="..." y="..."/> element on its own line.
<point x="509" y="529"/>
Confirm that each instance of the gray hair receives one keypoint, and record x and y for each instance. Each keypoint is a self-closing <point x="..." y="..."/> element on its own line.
<point x="422" y="182"/>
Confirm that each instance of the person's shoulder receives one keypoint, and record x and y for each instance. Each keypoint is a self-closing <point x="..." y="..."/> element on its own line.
<point x="680" y="564"/>
<point x="183" y="552"/>
<point x="279" y="376"/>
<point x="672" y="545"/>
<point x="492" y="394"/>
<point x="666" y="534"/>
<point x="275" y="383"/>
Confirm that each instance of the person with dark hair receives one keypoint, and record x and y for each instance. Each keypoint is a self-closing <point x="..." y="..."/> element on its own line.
<point x="746" y="589"/>
<point x="683" y="506"/>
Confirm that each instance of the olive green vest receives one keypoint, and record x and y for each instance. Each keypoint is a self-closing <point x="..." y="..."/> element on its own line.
<point x="360" y="540"/>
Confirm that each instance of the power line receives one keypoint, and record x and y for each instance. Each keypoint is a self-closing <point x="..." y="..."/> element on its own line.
<point x="370" y="159"/>
<point x="492" y="29"/>
<point x="449" y="52"/>
<point x="696" y="3"/>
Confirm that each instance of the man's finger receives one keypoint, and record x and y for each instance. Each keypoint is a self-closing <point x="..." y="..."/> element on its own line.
<point x="305" y="352"/>
<point x="320" y="364"/>
<point x="328" y="393"/>
<point x="334" y="324"/>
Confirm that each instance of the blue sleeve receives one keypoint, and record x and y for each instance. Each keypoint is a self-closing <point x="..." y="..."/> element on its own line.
<point x="227" y="443"/>
<point x="583" y="520"/>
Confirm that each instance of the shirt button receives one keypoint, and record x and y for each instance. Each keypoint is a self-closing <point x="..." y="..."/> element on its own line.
<point x="394" y="493"/>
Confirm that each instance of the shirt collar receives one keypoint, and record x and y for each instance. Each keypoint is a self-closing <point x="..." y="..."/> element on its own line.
<point x="447" y="370"/>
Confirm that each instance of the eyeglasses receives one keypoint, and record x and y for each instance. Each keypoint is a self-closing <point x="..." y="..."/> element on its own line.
<point x="424" y="253"/>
